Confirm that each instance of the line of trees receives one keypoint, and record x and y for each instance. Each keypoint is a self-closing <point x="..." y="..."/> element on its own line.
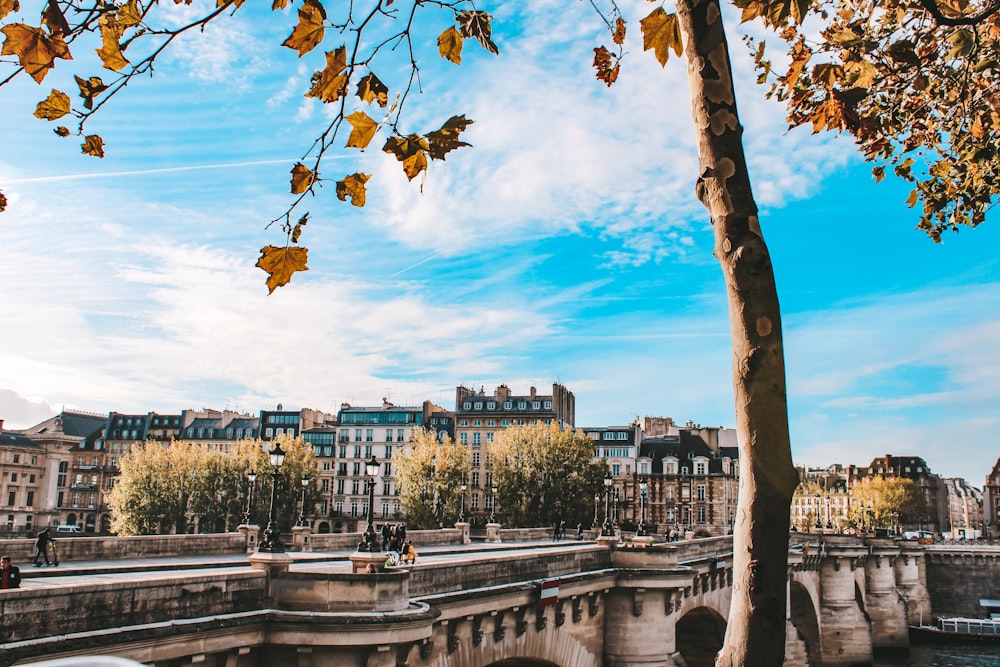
<point x="185" y="487"/>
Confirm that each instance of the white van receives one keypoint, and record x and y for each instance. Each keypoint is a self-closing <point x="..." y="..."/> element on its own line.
<point x="68" y="528"/>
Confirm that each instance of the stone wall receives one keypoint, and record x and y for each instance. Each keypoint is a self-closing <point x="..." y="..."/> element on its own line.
<point x="33" y="613"/>
<point x="956" y="581"/>
<point x="140" y="546"/>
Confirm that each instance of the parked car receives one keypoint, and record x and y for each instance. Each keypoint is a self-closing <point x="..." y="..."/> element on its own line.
<point x="68" y="528"/>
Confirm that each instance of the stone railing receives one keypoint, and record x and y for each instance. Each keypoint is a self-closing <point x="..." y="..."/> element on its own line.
<point x="139" y="546"/>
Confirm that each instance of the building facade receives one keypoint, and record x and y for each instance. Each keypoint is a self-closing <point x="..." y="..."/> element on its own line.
<point x="480" y="416"/>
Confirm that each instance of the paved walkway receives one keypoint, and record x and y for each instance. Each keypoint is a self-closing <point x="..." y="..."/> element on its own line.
<point x="138" y="569"/>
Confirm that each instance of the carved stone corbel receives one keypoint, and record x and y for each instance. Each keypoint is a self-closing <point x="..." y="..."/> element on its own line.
<point x="452" y="638"/>
<point x="520" y="625"/>
<point x="577" y="609"/>
<point x="427" y="647"/>
<point x="637" y="601"/>
<point x="499" y="630"/>
<point x="593" y="606"/>
<point x="540" y="620"/>
<point x="560" y="613"/>
<point x="477" y="630"/>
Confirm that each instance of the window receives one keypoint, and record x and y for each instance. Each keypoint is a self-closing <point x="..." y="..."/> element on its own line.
<point x="13" y="477"/>
<point x="356" y="470"/>
<point x="479" y="405"/>
<point x="17" y="458"/>
<point x="467" y="405"/>
<point x="342" y="469"/>
<point x="622" y="435"/>
<point x="385" y="510"/>
<point x="386" y="489"/>
<point x="522" y="405"/>
<point x="491" y="405"/>
<point x="701" y="493"/>
<point x="616" y="470"/>
<point x="354" y="486"/>
<point x="340" y="491"/>
<point x="325" y="485"/>
<point x="463" y="438"/>
<point x="357" y="435"/>
<point x="491" y="422"/>
<point x="387" y="468"/>
<point x="269" y="432"/>
<point x="489" y="437"/>
<point x="476" y="439"/>
<point x="505" y="422"/>
<point x="369" y="434"/>
<point x="508" y="405"/>
<point x="701" y="515"/>
<point x="354" y="508"/>
<point x="475" y="459"/>
<point x="548" y="405"/>
<point x="475" y="481"/>
<point x="399" y="435"/>
<point x="388" y="451"/>
<point x="699" y="468"/>
<point x="477" y="422"/>
<point x="357" y="451"/>
<point x="11" y="497"/>
<point x="388" y="435"/>
<point x="368" y="451"/>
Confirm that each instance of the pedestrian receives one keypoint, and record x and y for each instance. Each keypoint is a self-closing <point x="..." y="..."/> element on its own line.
<point x="555" y="531"/>
<point x="42" y="547"/>
<point x="409" y="554"/>
<point x="10" y="575"/>
<point x="579" y="531"/>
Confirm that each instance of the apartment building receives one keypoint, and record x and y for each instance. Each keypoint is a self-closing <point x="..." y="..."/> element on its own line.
<point x="480" y="416"/>
<point x="364" y="432"/>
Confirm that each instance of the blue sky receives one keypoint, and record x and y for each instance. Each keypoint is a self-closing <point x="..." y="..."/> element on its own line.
<point x="565" y="246"/>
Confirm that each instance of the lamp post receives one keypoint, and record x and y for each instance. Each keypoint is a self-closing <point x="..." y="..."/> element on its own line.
<point x="643" y="488"/>
<point x="252" y="477"/>
<point x="606" y="529"/>
<point x="819" y="521"/>
<point x="461" y="511"/>
<point x="597" y="497"/>
<point x="369" y="542"/>
<point x="493" y="504"/>
<point x="302" y="509"/>
<point x="271" y="542"/>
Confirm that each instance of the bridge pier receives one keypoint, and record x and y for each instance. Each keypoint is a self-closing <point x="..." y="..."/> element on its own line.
<point x="908" y="582"/>
<point x="844" y="630"/>
<point x="885" y="608"/>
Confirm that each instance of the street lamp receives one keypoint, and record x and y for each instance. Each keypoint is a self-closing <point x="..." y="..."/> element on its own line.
<point x="819" y="521"/>
<point x="493" y="505"/>
<point x="302" y="509"/>
<point x="606" y="529"/>
<point x="369" y="542"/>
<point x="252" y="477"/>
<point x="643" y="488"/>
<point x="461" y="511"/>
<point x="597" y="497"/>
<point x="271" y="542"/>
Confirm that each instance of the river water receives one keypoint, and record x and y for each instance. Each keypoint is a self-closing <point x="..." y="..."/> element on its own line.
<point x="973" y="654"/>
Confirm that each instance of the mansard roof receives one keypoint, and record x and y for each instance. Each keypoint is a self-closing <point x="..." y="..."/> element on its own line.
<point x="12" y="439"/>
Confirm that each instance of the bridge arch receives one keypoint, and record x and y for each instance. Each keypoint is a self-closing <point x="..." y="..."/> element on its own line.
<point x="699" y="634"/>
<point x="522" y="662"/>
<point x="802" y="607"/>
<point x="551" y="647"/>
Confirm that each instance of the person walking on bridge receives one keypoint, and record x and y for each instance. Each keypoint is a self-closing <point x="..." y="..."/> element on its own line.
<point x="42" y="547"/>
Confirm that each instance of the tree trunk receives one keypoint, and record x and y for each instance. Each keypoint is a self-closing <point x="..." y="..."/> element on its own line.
<point x="755" y="634"/>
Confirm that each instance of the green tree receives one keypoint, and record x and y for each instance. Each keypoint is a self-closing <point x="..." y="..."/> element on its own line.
<point x="143" y="496"/>
<point x="879" y="501"/>
<point x="429" y="475"/>
<point x="545" y="473"/>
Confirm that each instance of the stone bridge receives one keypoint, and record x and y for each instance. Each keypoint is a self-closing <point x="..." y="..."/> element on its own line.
<point x="617" y="605"/>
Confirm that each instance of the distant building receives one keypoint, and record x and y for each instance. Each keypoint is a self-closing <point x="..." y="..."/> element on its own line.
<point x="376" y="431"/>
<point x="965" y="509"/>
<point x="821" y="501"/>
<point x="692" y="474"/>
<point x="991" y="501"/>
<point x="916" y="469"/>
<point x="480" y="416"/>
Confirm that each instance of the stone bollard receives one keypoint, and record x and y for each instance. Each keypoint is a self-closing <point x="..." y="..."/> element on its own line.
<point x="300" y="538"/>
<point x="250" y="533"/>
<point x="493" y="532"/>
<point x="464" y="528"/>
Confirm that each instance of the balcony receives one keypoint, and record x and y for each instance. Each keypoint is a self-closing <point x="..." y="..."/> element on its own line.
<point x="83" y="486"/>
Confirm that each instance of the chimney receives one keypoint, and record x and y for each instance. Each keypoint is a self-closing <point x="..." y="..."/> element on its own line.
<point x="533" y="393"/>
<point x="1" y="424"/>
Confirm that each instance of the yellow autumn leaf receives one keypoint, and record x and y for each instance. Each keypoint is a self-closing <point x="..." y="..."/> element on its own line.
<point x="363" y="130"/>
<point x="62" y="131"/>
<point x="35" y="49"/>
<point x="371" y="89"/>
<point x="353" y="186"/>
<point x="411" y="151"/>
<point x="90" y="88"/>
<point x="93" y="145"/>
<point x="619" y="34"/>
<point x="3" y="203"/>
<point x="279" y="4"/>
<point x="56" y="105"/>
<point x="450" y="45"/>
<point x="606" y="65"/>
<point x="8" y="6"/>
<point x="110" y="52"/>
<point x="297" y="229"/>
<point x="281" y="263"/>
<point x="130" y="14"/>
<point x="444" y="140"/>
<point x="330" y="84"/>
<point x="661" y="32"/>
<point x="310" y="29"/>
<point x="302" y="178"/>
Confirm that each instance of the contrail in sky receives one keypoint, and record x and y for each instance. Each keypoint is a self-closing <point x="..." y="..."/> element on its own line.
<point x="163" y="170"/>
<point x="413" y="266"/>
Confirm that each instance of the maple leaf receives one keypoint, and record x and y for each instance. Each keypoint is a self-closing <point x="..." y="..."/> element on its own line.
<point x="302" y="178"/>
<point x="477" y="24"/>
<point x="110" y="52"/>
<point x="279" y="4"/>
<point x="619" y="34"/>
<point x="3" y="201"/>
<point x="450" y="45"/>
<point x="93" y="145"/>
<point x="281" y="263"/>
<point x="56" y="105"/>
<point x="353" y="186"/>
<point x="54" y="19"/>
<point x="330" y="84"/>
<point x="661" y="32"/>
<point x="370" y="89"/>
<point x="62" y="131"/>
<point x="363" y="130"/>
<point x="603" y="60"/>
<point x="310" y="29"/>
<point x="36" y="50"/>
<point x="89" y="88"/>
<point x="444" y="140"/>
<point x="411" y="151"/>
<point x="8" y="6"/>
<point x="130" y="14"/>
